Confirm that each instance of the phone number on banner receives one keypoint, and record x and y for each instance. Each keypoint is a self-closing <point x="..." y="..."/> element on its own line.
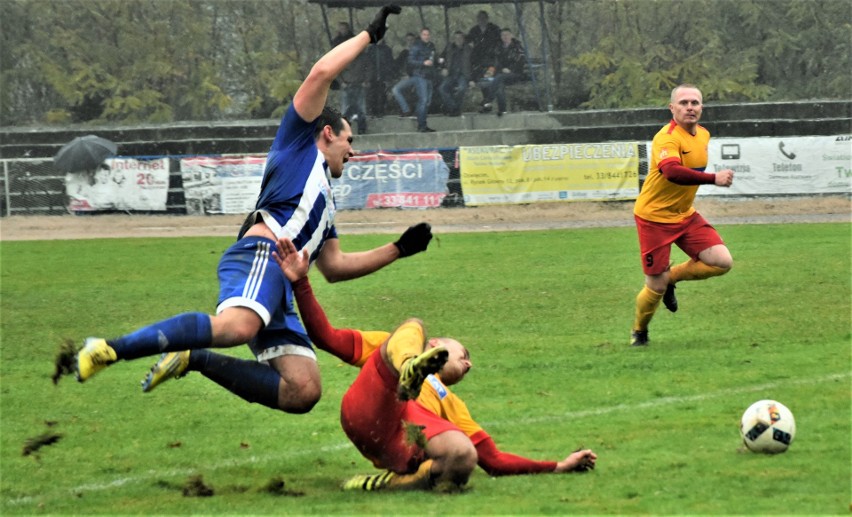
<point x="405" y="200"/>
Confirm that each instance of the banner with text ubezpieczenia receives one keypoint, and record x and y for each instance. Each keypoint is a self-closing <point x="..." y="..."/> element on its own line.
<point x="558" y="172"/>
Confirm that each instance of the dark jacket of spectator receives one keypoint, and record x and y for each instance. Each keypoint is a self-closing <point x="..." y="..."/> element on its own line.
<point x="511" y="57"/>
<point x="419" y="53"/>
<point x="401" y="61"/>
<point x="457" y="61"/>
<point x="484" y="39"/>
<point x="359" y="72"/>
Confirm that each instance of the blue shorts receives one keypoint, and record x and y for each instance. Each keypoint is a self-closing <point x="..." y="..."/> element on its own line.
<point x="249" y="277"/>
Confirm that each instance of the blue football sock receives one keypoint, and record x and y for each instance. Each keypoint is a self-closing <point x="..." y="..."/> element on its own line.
<point x="182" y="332"/>
<point x="250" y="380"/>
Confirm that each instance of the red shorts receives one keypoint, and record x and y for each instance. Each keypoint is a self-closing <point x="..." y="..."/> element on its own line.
<point x="693" y="235"/>
<point x="373" y="419"/>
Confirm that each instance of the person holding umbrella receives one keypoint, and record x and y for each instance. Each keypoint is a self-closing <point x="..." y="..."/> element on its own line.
<point x="84" y="153"/>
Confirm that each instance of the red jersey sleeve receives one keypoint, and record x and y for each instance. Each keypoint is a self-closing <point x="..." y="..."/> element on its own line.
<point x="437" y="398"/>
<point x="344" y="344"/>
<point x="498" y="463"/>
<point x="681" y="175"/>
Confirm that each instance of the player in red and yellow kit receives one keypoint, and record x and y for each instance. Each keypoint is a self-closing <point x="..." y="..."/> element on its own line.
<point x="429" y="442"/>
<point x="664" y="213"/>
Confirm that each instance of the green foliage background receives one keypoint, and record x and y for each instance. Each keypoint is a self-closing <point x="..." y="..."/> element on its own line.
<point x="130" y="61"/>
<point x="546" y="316"/>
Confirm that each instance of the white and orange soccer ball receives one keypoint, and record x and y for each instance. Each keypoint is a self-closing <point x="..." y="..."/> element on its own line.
<point x="768" y="426"/>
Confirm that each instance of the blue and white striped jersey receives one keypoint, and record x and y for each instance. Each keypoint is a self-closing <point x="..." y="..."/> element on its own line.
<point x="295" y="198"/>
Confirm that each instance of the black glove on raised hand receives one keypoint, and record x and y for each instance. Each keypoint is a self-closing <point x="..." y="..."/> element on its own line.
<point x="414" y="240"/>
<point x="378" y="26"/>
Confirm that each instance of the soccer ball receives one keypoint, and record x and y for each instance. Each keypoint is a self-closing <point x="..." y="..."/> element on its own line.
<point x="768" y="426"/>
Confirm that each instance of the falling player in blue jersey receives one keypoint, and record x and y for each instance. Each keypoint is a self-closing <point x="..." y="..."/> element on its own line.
<point x="255" y="303"/>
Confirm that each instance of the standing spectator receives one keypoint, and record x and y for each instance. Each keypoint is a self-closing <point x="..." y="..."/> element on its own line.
<point x="353" y="94"/>
<point x="382" y="76"/>
<point x="421" y="67"/>
<point x="484" y="37"/>
<point x="509" y="67"/>
<point x="456" y="73"/>
<point x="344" y="32"/>
<point x="664" y="213"/>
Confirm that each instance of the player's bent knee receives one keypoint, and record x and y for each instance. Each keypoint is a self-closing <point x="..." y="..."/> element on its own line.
<point x="301" y="387"/>
<point x="462" y="457"/>
<point x="298" y="400"/>
<point x="235" y="325"/>
<point x="468" y="460"/>
<point x="722" y="264"/>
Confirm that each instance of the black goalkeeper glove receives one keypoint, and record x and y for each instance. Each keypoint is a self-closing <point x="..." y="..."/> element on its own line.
<point x="414" y="240"/>
<point x="378" y="26"/>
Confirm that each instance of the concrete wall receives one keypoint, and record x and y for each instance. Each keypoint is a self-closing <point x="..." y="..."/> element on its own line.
<point x="819" y="117"/>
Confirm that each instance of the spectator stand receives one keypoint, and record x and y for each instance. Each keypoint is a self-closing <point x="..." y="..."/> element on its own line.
<point x="539" y="86"/>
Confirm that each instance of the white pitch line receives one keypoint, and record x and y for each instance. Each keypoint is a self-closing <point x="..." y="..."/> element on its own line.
<point x="664" y="401"/>
<point x="571" y="415"/>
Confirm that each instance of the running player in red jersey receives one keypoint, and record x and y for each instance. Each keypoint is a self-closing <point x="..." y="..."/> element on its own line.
<point x="430" y="442"/>
<point x="664" y="213"/>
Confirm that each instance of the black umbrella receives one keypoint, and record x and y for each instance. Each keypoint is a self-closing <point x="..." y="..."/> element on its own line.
<point x="84" y="153"/>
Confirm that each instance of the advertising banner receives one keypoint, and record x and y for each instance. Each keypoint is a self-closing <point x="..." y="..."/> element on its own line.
<point x="557" y="172"/>
<point x="120" y="184"/>
<point x="220" y="185"/>
<point x="789" y="165"/>
<point x="384" y="180"/>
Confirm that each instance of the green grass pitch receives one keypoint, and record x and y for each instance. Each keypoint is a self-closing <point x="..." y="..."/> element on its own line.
<point x="546" y="316"/>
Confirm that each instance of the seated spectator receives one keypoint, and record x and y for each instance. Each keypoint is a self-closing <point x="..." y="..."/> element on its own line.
<point x="456" y="75"/>
<point x="401" y="61"/>
<point x="421" y="70"/>
<point x="509" y="67"/>
<point x="401" y="70"/>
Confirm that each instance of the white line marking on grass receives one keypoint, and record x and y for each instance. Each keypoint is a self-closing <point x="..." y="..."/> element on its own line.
<point x="662" y="401"/>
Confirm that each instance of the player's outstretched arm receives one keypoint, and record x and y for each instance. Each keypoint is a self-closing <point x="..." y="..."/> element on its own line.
<point x="311" y="96"/>
<point x="345" y="344"/>
<point x="499" y="463"/>
<point x="577" y="461"/>
<point x="336" y="266"/>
